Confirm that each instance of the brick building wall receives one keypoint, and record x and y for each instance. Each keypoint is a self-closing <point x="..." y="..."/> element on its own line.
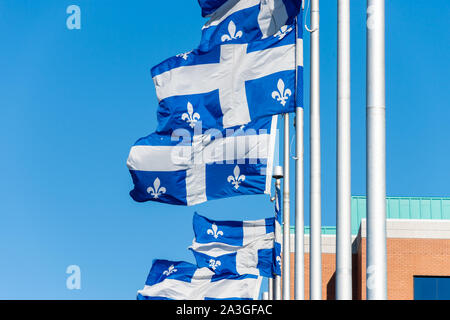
<point x="414" y="248"/>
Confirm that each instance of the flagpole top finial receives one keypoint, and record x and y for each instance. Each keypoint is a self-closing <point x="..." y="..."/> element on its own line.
<point x="277" y="172"/>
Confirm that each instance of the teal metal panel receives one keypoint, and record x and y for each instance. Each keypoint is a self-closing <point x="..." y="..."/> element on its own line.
<point x="425" y="208"/>
<point x="393" y="208"/>
<point x="396" y="208"/>
<point x="445" y="208"/>
<point x="436" y="212"/>
<point x="404" y="209"/>
<point x="325" y="230"/>
<point x="415" y="209"/>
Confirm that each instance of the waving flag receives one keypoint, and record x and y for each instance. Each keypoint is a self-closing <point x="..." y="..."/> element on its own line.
<point x="229" y="85"/>
<point x="235" y="81"/>
<point x="179" y="280"/>
<point x="188" y="170"/>
<point x="209" y="6"/>
<point x="238" y="247"/>
<point x="244" y="21"/>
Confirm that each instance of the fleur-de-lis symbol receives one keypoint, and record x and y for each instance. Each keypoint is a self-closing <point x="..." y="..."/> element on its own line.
<point x="214" y="264"/>
<point x="281" y="95"/>
<point x="237" y="178"/>
<point x="232" y="34"/>
<point x="156" y="190"/>
<point x="169" y="271"/>
<point x="191" y="117"/>
<point x="184" y="55"/>
<point x="279" y="260"/>
<point x="283" y="32"/>
<point x="214" y="231"/>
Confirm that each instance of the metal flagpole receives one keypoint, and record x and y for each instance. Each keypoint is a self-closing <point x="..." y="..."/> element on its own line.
<point x="277" y="175"/>
<point x="286" y="213"/>
<point x="270" y="288"/>
<point x="343" y="178"/>
<point x="315" y="193"/>
<point x="376" y="272"/>
<point x="299" y="284"/>
<point x="299" y="269"/>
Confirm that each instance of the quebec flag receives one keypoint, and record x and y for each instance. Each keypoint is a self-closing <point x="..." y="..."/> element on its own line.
<point x="244" y="68"/>
<point x="179" y="280"/>
<point x="237" y="247"/>
<point x="244" y="21"/>
<point x="218" y="106"/>
<point x="187" y="169"/>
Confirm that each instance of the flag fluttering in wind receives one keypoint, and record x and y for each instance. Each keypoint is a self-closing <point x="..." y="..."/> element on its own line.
<point x="245" y="21"/>
<point x="194" y="169"/>
<point x="179" y="280"/>
<point x="218" y="104"/>
<point x="229" y="85"/>
<point x="239" y="247"/>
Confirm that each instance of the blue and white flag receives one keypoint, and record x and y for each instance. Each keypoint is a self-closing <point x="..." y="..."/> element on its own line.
<point x="229" y="85"/>
<point x="239" y="247"/>
<point x="189" y="169"/>
<point x="179" y="280"/>
<point x="245" y="21"/>
<point x="237" y="80"/>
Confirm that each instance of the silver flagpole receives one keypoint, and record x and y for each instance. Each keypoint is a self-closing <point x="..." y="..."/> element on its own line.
<point x="299" y="269"/>
<point x="299" y="284"/>
<point x="277" y="174"/>
<point x="376" y="272"/>
<point x="270" y="288"/>
<point x="315" y="279"/>
<point x="343" y="178"/>
<point x="286" y="213"/>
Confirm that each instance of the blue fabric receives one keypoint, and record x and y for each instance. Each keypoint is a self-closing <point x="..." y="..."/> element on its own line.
<point x="218" y="185"/>
<point x="277" y="205"/>
<point x="224" y="264"/>
<point x="207" y="105"/>
<point x="174" y="183"/>
<point x="228" y="232"/>
<point x="165" y="269"/>
<point x="265" y="262"/>
<point x="276" y="259"/>
<point x="141" y="297"/>
<point x="209" y="6"/>
<point x="299" y="88"/>
<point x="246" y="28"/>
<point x="230" y="276"/>
<point x="262" y="98"/>
<point x="208" y="231"/>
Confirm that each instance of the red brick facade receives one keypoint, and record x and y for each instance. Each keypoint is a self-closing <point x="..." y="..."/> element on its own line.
<point x="406" y="258"/>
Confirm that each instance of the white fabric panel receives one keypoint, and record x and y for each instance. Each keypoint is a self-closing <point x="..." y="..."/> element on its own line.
<point x="247" y="147"/>
<point x="247" y="258"/>
<point x="227" y="9"/>
<point x="253" y="230"/>
<point x="272" y="16"/>
<point x="270" y="156"/>
<point x="299" y="52"/>
<point x="201" y="287"/>
<point x="172" y="158"/>
<point x="278" y="237"/>
<point x="216" y="249"/>
<point x="164" y="158"/>
<point x="196" y="174"/>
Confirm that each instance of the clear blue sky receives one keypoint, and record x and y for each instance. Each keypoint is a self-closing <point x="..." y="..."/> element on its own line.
<point x="72" y="102"/>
